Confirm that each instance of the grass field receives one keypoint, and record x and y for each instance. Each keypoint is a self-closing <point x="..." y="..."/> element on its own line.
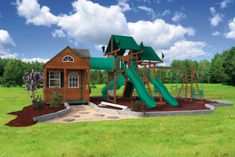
<point x="211" y="135"/>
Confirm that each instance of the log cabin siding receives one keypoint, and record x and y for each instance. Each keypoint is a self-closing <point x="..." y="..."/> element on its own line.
<point x="80" y="66"/>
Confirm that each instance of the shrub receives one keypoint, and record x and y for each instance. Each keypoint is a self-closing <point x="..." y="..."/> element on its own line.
<point x="137" y="104"/>
<point x="38" y="103"/>
<point x="93" y="85"/>
<point x="56" y="99"/>
<point x="32" y="82"/>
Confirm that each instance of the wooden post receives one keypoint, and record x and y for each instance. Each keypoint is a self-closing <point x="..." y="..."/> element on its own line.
<point x="136" y="62"/>
<point x="115" y="78"/>
<point x="194" y="80"/>
<point x="88" y="84"/>
<point x="186" y="85"/>
<point x="149" y="89"/>
<point x="145" y="77"/>
<point x="45" y="83"/>
<point x="154" y="69"/>
<point x="198" y="90"/>
<point x="115" y="68"/>
<point x="111" y="44"/>
<point x="65" y="83"/>
<point x="191" y="88"/>
<point x="179" y="92"/>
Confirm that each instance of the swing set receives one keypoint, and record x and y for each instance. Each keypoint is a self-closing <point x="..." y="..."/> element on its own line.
<point x="189" y="84"/>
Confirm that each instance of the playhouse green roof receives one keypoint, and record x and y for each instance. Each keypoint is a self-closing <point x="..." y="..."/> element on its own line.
<point x="148" y="53"/>
<point x="122" y="42"/>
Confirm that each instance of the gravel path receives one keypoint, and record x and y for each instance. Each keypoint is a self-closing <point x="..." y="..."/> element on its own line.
<point x="84" y="113"/>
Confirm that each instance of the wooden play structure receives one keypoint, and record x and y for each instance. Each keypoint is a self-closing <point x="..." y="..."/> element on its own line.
<point x="69" y="73"/>
<point x="125" y="49"/>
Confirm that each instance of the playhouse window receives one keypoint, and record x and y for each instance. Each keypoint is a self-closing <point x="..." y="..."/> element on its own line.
<point x="73" y="80"/>
<point x="54" y="79"/>
<point x="68" y="58"/>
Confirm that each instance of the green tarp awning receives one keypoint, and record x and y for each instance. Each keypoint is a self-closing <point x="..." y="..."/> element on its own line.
<point x="148" y="53"/>
<point x="122" y="42"/>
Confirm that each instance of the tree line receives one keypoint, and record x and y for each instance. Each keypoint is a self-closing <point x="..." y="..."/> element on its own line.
<point x="13" y="70"/>
<point x="221" y="69"/>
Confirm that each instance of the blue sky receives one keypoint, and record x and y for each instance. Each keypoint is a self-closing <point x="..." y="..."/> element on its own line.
<point x="39" y="29"/>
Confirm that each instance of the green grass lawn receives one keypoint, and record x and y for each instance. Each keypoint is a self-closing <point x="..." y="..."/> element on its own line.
<point x="211" y="135"/>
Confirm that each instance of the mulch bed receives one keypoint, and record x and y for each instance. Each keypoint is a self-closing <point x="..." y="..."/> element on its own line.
<point x="26" y="115"/>
<point x="183" y="104"/>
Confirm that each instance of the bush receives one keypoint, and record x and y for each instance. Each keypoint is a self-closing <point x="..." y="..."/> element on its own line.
<point x="13" y="73"/>
<point x="93" y="85"/>
<point x="137" y="104"/>
<point x="38" y="103"/>
<point x="56" y="99"/>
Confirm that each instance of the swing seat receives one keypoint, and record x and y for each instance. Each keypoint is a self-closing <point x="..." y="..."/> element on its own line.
<point x="196" y="95"/>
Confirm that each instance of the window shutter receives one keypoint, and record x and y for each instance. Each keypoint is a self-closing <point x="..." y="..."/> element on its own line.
<point x="62" y="78"/>
<point x="48" y="79"/>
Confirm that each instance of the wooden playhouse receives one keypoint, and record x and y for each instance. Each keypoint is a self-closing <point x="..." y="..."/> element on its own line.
<point x="68" y="72"/>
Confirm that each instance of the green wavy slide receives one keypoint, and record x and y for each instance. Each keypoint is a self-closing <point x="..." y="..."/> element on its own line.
<point x="139" y="86"/>
<point x="163" y="90"/>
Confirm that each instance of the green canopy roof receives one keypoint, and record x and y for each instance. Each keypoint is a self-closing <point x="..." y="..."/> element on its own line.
<point x="122" y="42"/>
<point x="148" y="53"/>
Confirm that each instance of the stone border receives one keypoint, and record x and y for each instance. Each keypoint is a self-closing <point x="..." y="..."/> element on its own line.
<point x="211" y="108"/>
<point x="220" y="103"/>
<point x="50" y="116"/>
<point x="216" y="102"/>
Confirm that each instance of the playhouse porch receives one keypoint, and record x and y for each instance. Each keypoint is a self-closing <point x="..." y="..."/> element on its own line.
<point x="72" y="84"/>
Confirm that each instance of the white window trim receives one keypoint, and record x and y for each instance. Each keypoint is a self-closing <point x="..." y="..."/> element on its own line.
<point x="68" y="56"/>
<point x="78" y="77"/>
<point x="54" y="79"/>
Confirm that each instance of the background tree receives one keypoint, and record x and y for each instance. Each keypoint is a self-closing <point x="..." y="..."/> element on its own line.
<point x="203" y="71"/>
<point x="229" y="65"/>
<point x="13" y="72"/>
<point x="216" y="72"/>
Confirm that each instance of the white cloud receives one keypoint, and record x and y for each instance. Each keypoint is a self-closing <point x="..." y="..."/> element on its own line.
<point x="35" y="14"/>
<point x="184" y="50"/>
<point x="124" y="5"/>
<point x="88" y="22"/>
<point x="216" y="17"/>
<point x="99" y="47"/>
<point x="41" y="60"/>
<point x="231" y="33"/>
<point x="147" y="1"/>
<point x="212" y="10"/>
<point x="178" y="16"/>
<point x="224" y="3"/>
<point x="215" y="20"/>
<point x="58" y="33"/>
<point x="166" y="12"/>
<point x="5" y="39"/>
<point x="216" y="33"/>
<point x="93" y="23"/>
<point x="158" y="33"/>
<point x="6" y="54"/>
<point x="5" y="42"/>
<point x="149" y="11"/>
